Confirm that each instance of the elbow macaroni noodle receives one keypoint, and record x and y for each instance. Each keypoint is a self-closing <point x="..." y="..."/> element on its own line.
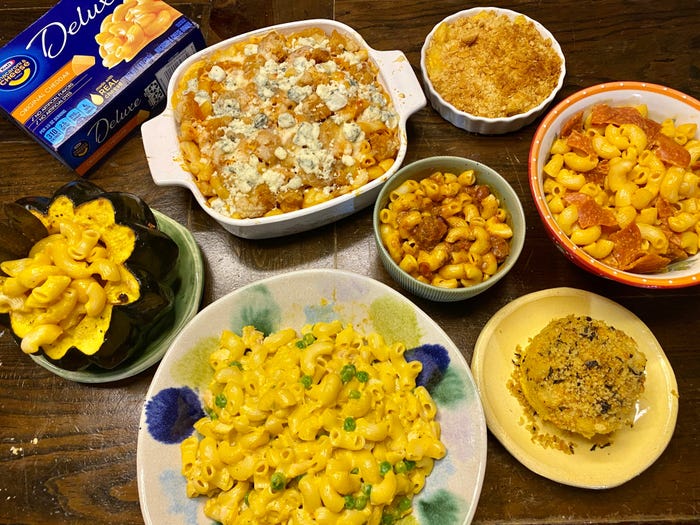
<point x="276" y="123"/>
<point x="131" y="26"/>
<point x="326" y="427"/>
<point x="625" y="195"/>
<point x="446" y="230"/>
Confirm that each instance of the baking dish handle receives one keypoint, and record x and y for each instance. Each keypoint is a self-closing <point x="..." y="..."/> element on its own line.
<point x="162" y="148"/>
<point x="401" y="81"/>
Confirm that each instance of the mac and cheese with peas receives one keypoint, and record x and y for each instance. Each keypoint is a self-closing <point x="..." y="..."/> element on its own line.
<point x="326" y="427"/>
<point x="446" y="229"/>
<point x="626" y="188"/>
<point x="276" y="123"/>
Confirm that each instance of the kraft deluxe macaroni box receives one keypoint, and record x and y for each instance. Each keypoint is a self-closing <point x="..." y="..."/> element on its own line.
<point x="88" y="72"/>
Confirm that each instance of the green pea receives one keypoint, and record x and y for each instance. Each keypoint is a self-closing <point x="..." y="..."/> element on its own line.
<point x="361" y="502"/>
<point x="347" y="373"/>
<point x="306" y="381"/>
<point x="307" y="340"/>
<point x="387" y="519"/>
<point x="220" y="400"/>
<point x="384" y="467"/>
<point x="277" y="482"/>
<point x="404" y="466"/>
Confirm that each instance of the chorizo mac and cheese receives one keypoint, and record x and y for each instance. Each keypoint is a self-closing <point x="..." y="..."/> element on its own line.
<point x="326" y="427"/>
<point x="276" y="123"/>
<point x="625" y="188"/>
<point x="446" y="229"/>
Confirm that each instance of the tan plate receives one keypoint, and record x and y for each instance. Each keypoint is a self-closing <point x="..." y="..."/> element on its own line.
<point x="632" y="450"/>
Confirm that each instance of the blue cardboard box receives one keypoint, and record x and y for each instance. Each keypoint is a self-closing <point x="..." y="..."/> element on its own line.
<point x="88" y="72"/>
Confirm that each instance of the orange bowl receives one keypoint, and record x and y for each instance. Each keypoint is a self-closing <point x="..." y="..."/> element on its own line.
<point x="662" y="103"/>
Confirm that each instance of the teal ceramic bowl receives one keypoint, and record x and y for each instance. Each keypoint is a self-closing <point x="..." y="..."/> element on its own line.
<point x="484" y="175"/>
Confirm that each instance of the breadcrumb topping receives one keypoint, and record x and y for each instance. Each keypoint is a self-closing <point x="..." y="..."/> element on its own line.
<point x="492" y="66"/>
<point x="581" y="375"/>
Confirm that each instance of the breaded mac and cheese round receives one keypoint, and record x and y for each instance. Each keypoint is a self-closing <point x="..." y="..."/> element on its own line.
<point x="582" y="375"/>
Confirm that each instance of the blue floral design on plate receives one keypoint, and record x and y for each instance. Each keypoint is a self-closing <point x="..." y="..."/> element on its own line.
<point x="435" y="361"/>
<point x="171" y="414"/>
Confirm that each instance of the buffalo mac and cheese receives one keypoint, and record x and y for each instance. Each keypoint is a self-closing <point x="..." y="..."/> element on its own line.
<point x="276" y="122"/>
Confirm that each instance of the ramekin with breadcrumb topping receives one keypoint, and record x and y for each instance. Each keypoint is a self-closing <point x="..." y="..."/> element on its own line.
<point x="491" y="70"/>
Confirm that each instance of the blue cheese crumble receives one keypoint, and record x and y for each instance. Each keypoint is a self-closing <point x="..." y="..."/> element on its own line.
<point x="282" y="122"/>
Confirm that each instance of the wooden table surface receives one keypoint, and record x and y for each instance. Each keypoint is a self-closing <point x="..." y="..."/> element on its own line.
<point x="68" y="450"/>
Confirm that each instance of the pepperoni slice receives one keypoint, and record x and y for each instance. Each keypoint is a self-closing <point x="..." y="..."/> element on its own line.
<point x="628" y="246"/>
<point x="648" y="263"/>
<point x="669" y="151"/>
<point x="664" y="208"/>
<point x="602" y="114"/>
<point x="574" y="123"/>
<point x="599" y="173"/>
<point x="590" y="213"/>
<point x="578" y="141"/>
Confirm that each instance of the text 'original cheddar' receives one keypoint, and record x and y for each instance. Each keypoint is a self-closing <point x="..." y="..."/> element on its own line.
<point x="89" y="71"/>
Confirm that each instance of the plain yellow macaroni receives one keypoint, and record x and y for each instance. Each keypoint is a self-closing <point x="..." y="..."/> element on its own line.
<point x="69" y="280"/>
<point x="132" y="25"/>
<point x="326" y="426"/>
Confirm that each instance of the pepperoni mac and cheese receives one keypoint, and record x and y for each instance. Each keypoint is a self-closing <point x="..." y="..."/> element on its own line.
<point x="626" y="188"/>
<point x="276" y="123"/>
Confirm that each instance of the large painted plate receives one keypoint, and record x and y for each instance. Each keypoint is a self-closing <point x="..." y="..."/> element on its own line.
<point x="631" y="450"/>
<point x="293" y="300"/>
<point x="189" y="284"/>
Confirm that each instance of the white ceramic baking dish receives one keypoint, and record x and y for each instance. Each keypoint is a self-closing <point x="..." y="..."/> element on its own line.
<point x="164" y="157"/>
